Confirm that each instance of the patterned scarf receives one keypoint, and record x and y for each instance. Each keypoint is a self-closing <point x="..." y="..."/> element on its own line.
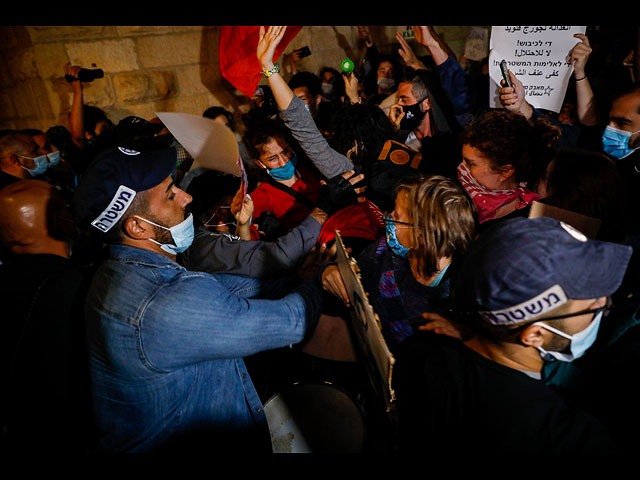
<point x="488" y="201"/>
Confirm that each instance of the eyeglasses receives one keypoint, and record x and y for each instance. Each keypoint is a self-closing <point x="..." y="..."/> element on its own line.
<point x="208" y="222"/>
<point x="387" y="219"/>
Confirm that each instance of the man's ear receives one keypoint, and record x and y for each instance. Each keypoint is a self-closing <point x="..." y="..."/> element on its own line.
<point x="533" y="335"/>
<point x="425" y="105"/>
<point x="14" y="159"/>
<point x="137" y="229"/>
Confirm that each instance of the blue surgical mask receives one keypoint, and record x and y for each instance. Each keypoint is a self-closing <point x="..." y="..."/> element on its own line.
<point x="54" y="158"/>
<point x="615" y="142"/>
<point x="392" y="240"/>
<point x="182" y="235"/>
<point x="41" y="165"/>
<point x="286" y="171"/>
<point x="438" y="279"/>
<point x="580" y="342"/>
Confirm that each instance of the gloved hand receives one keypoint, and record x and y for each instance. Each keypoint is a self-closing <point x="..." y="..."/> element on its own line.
<point x="339" y="192"/>
<point x="268" y="225"/>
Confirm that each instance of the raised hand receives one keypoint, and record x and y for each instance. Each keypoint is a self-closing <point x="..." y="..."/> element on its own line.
<point x="267" y="42"/>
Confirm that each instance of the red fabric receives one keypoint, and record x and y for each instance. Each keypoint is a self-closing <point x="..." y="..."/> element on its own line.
<point x="361" y="220"/>
<point x="237" y="55"/>
<point x="488" y="201"/>
<point x="286" y="208"/>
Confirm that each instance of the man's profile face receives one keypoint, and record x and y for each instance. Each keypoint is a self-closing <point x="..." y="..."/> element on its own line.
<point x="168" y="203"/>
<point x="405" y="95"/>
<point x="27" y="150"/>
<point x="624" y="115"/>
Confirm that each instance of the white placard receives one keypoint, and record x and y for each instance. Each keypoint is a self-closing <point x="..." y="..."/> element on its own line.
<point x="476" y="46"/>
<point x="538" y="57"/>
<point x="211" y="144"/>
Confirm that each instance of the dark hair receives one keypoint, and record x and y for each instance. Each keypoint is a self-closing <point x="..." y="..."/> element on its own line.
<point x="338" y="82"/>
<point x="261" y="132"/>
<point x="306" y="79"/>
<point x="370" y="82"/>
<point x="268" y="109"/>
<point x="139" y="206"/>
<point x="365" y="127"/>
<point x="93" y="116"/>
<point x="508" y="138"/>
<point x="214" y="112"/>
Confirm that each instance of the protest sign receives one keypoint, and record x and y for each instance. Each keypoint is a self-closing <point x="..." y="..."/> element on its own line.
<point x="538" y="57"/>
<point x="476" y="45"/>
<point x="211" y="144"/>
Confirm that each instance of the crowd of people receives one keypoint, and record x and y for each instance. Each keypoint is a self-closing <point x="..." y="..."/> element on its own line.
<point x="157" y="305"/>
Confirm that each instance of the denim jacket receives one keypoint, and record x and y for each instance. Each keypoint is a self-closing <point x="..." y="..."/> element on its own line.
<point x="166" y="347"/>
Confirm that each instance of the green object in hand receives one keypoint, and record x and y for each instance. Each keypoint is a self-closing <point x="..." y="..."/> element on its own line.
<point x="347" y="65"/>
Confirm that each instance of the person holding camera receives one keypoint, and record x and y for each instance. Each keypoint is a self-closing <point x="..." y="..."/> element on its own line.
<point x="91" y="129"/>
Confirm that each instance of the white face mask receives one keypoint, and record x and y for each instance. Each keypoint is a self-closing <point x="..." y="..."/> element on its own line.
<point x="580" y="342"/>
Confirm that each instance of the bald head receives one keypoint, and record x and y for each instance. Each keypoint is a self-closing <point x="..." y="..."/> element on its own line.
<point x="34" y="219"/>
<point x="14" y="147"/>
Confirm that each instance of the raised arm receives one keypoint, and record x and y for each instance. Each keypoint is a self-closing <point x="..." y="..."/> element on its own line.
<point x="76" y="118"/>
<point x="428" y="38"/>
<point x="513" y="98"/>
<point x="585" y="100"/>
<point x="329" y="162"/>
<point x="267" y="43"/>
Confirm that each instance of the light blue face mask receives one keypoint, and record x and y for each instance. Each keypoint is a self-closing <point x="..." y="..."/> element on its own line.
<point x="182" y="235"/>
<point x="438" y="279"/>
<point x="580" y="342"/>
<point x="286" y="171"/>
<point x="41" y="164"/>
<point x="392" y="240"/>
<point x="54" y="158"/>
<point x="615" y="142"/>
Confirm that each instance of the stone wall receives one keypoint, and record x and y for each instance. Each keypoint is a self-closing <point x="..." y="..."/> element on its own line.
<point x="148" y="69"/>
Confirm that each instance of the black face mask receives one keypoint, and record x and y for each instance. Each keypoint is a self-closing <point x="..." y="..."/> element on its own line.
<point x="412" y="116"/>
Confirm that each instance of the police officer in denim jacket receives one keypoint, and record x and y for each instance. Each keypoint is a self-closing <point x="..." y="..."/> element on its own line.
<point x="166" y="345"/>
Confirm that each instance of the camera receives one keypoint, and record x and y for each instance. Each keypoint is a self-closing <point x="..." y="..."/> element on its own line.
<point x="86" y="75"/>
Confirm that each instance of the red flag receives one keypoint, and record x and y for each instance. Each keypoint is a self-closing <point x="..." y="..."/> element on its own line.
<point x="237" y="55"/>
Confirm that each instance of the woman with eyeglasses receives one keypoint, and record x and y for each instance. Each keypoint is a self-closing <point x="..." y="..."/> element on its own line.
<point x="407" y="272"/>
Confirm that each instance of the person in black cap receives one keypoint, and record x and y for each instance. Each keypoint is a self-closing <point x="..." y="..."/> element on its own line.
<point x="166" y="345"/>
<point x="528" y="290"/>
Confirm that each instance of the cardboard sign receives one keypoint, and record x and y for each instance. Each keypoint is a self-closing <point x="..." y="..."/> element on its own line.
<point x="211" y="144"/>
<point x="538" y="57"/>
<point x="368" y="340"/>
<point x="476" y="46"/>
<point x="587" y="225"/>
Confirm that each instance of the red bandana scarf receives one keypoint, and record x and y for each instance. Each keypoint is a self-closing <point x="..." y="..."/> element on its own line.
<point x="488" y="201"/>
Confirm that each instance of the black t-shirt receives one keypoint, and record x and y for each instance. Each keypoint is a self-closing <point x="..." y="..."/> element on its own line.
<point x="451" y="400"/>
<point x="46" y="401"/>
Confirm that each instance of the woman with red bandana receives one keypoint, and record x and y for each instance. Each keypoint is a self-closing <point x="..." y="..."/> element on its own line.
<point x="504" y="156"/>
